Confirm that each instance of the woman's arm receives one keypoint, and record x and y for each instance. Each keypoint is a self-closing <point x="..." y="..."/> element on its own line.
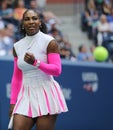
<point x="16" y="80"/>
<point x="53" y="67"/>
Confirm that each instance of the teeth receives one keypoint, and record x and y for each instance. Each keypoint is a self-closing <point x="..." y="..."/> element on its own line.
<point x="31" y="28"/>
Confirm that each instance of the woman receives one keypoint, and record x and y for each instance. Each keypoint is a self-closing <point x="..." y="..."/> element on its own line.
<point x="36" y="98"/>
<point x="19" y="9"/>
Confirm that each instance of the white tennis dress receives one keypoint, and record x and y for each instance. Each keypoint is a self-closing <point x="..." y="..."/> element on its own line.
<point x="40" y="94"/>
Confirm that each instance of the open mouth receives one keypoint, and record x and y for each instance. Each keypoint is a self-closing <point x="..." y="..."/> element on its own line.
<point x="31" y="28"/>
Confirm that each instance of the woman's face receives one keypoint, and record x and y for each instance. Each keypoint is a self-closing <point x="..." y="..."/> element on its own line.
<point x="31" y="22"/>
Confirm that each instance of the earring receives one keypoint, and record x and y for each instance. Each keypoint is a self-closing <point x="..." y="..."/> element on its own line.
<point x="40" y="26"/>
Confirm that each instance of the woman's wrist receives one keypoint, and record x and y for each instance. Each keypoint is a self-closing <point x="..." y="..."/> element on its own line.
<point x="36" y="63"/>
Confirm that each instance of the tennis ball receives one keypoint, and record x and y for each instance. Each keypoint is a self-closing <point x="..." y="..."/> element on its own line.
<point x="100" y="53"/>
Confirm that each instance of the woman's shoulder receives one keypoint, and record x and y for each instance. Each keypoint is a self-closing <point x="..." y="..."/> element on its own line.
<point x="17" y="43"/>
<point x="46" y="36"/>
<point x="18" y="46"/>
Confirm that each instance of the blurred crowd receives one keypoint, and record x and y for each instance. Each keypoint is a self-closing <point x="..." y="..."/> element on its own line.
<point x="97" y="22"/>
<point x="11" y="12"/>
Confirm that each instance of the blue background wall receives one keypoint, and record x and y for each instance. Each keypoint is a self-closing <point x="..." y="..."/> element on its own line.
<point x="87" y="87"/>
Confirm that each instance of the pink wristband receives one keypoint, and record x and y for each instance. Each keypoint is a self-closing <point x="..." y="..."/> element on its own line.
<point x="35" y="62"/>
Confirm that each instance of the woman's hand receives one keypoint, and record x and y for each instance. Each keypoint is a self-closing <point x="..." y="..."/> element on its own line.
<point x="11" y="109"/>
<point x="29" y="58"/>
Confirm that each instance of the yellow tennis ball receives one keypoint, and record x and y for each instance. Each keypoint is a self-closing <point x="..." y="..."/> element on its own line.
<point x="100" y="53"/>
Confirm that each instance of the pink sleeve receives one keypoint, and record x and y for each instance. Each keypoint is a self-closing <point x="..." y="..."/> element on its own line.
<point x="53" y="67"/>
<point x="15" y="82"/>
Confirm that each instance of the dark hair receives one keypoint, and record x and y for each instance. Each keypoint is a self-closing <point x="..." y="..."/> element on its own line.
<point x="80" y="47"/>
<point x="42" y="28"/>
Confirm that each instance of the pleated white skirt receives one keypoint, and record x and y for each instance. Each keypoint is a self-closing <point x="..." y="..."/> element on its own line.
<point x="39" y="97"/>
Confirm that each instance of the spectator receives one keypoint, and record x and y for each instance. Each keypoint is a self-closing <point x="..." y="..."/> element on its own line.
<point x="106" y="8"/>
<point x="90" y="53"/>
<point x="103" y="29"/>
<point x="7" y="39"/>
<point x="51" y="24"/>
<point x="2" y="24"/>
<point x="10" y="3"/>
<point x="91" y="7"/>
<point x="51" y="20"/>
<point x="57" y="35"/>
<point x="33" y="5"/>
<point x="41" y="4"/>
<point x="5" y="12"/>
<point x="66" y="53"/>
<point x="110" y="16"/>
<point x="19" y="9"/>
<point x="89" y="19"/>
<point x="99" y="4"/>
<point x="83" y="54"/>
<point x="95" y="21"/>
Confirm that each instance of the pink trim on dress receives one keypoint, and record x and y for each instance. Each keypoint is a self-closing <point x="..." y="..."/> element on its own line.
<point x="29" y="110"/>
<point x="19" y="100"/>
<point x="39" y="111"/>
<point x="47" y="102"/>
<point x="59" y="97"/>
<point x="52" y="93"/>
